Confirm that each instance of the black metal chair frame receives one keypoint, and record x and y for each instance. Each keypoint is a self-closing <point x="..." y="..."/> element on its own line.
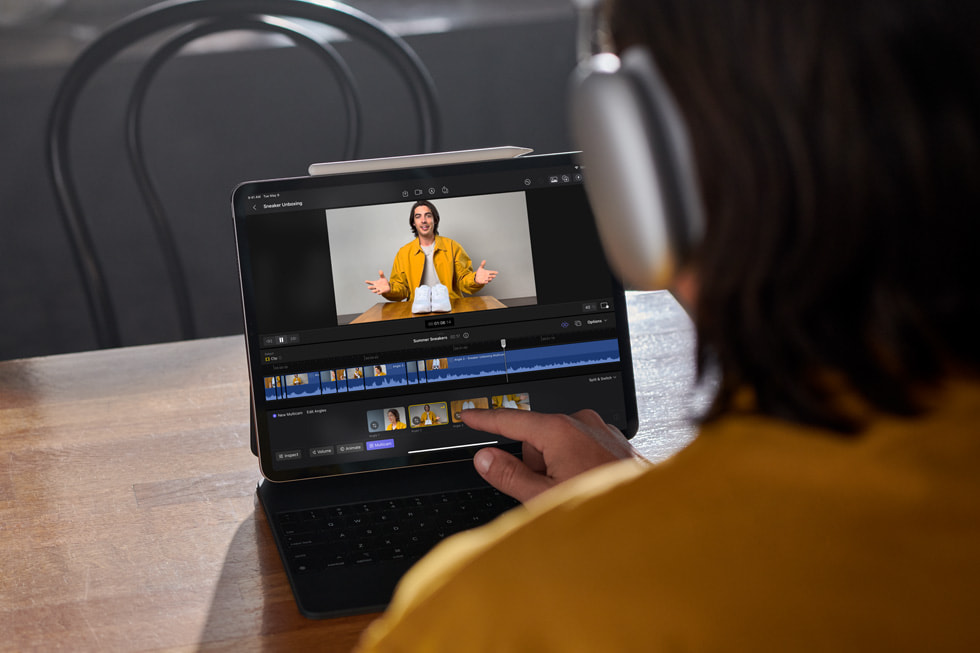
<point x="202" y="18"/>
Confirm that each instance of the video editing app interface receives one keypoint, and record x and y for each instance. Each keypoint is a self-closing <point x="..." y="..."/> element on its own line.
<point x="352" y="377"/>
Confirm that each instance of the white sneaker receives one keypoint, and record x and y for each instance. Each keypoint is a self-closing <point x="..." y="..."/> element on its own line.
<point x="423" y="300"/>
<point x="440" y="299"/>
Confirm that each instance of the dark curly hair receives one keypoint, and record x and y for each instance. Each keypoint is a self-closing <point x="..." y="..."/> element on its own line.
<point x="838" y="149"/>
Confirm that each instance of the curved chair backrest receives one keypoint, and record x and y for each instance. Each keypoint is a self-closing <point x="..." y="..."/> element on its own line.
<point x="200" y="18"/>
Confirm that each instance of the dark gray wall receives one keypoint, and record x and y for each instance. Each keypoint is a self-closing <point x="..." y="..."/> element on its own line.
<point x="213" y="121"/>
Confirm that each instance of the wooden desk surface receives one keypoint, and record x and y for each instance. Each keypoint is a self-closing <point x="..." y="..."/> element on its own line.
<point x="128" y="518"/>
<point x="403" y="310"/>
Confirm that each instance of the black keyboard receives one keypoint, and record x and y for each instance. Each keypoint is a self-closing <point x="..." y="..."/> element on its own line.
<point x="364" y="533"/>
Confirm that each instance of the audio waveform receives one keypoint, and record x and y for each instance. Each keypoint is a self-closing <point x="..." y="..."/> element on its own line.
<point x="534" y="359"/>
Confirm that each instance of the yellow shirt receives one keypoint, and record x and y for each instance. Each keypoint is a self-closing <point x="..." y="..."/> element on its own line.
<point x="453" y="267"/>
<point x="759" y="536"/>
<point x="397" y="426"/>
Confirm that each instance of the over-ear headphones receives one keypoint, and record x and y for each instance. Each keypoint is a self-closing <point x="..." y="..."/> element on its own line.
<point x="638" y="167"/>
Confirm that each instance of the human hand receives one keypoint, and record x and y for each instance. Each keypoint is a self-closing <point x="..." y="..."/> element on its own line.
<point x="484" y="276"/>
<point x="380" y="285"/>
<point x="556" y="448"/>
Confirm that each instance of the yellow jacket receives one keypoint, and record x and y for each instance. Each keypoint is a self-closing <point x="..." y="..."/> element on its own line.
<point x="452" y="264"/>
<point x="761" y="535"/>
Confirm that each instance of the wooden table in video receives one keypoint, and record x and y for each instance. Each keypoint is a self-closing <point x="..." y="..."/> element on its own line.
<point x="401" y="310"/>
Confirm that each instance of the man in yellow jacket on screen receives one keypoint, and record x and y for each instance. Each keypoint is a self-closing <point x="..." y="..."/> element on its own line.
<point x="431" y="271"/>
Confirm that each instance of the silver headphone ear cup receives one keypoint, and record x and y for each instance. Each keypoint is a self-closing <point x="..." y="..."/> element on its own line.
<point x="638" y="167"/>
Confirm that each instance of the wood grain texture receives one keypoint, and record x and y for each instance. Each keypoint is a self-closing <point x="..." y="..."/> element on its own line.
<point x="403" y="310"/>
<point x="128" y="518"/>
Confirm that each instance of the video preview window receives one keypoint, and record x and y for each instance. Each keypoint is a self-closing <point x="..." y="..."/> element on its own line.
<point x="369" y="241"/>
<point x="308" y="269"/>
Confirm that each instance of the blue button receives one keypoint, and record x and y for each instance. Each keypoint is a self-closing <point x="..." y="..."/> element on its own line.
<point x="380" y="444"/>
